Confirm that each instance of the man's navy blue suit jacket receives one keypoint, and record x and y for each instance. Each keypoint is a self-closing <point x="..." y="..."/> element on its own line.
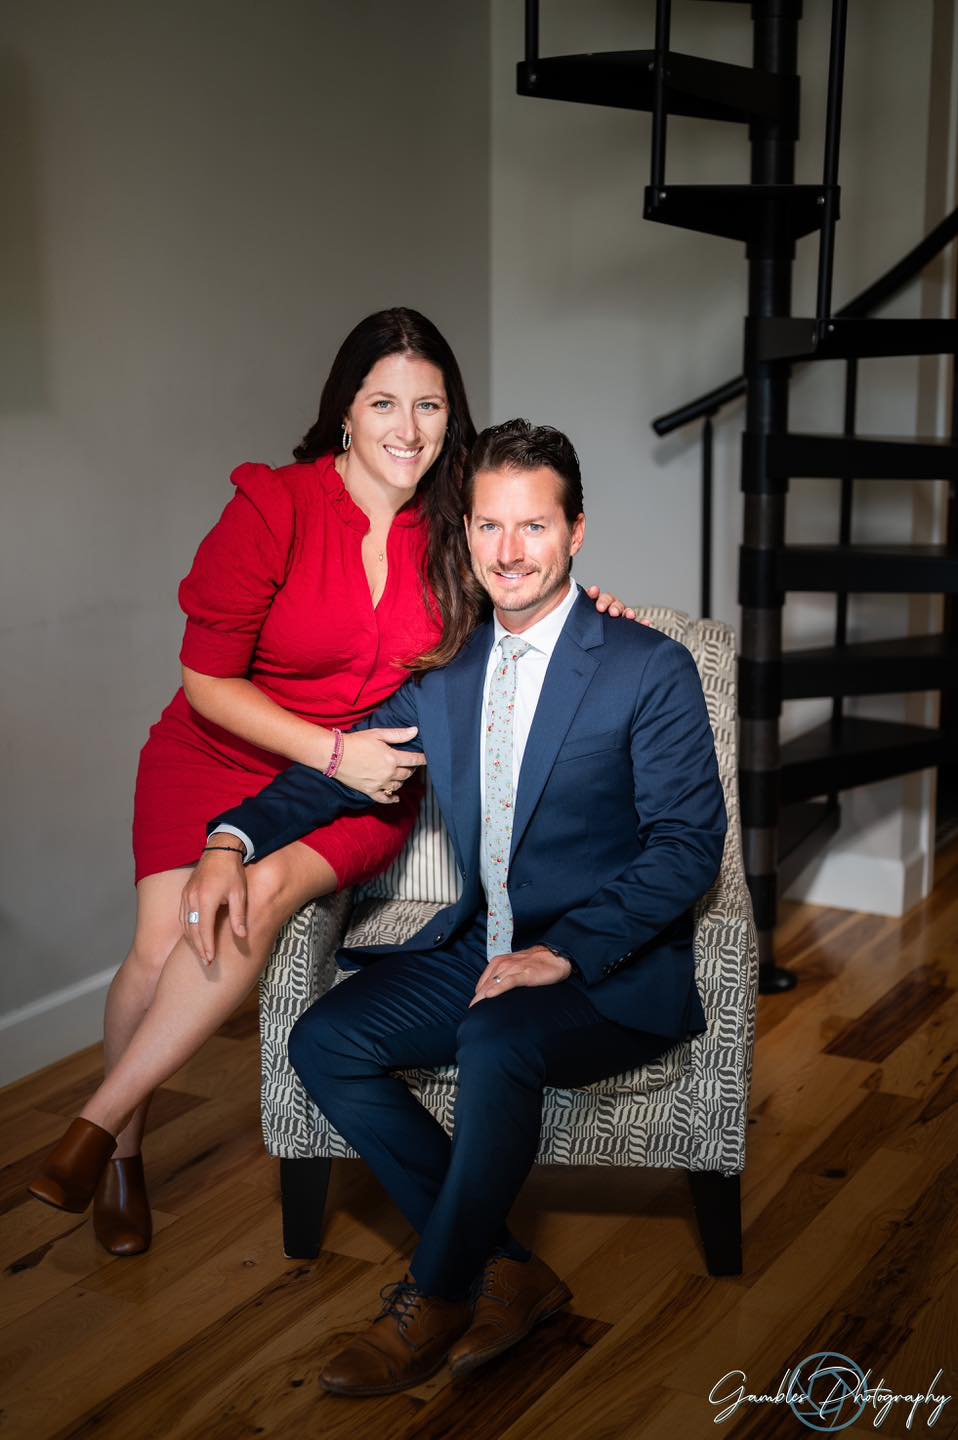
<point x="619" y="819"/>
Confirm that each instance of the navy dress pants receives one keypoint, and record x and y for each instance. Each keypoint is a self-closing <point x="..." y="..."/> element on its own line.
<point x="410" y="1010"/>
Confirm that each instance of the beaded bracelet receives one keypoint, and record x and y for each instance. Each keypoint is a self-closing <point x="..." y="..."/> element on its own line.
<point x="233" y="849"/>
<point x="337" y="755"/>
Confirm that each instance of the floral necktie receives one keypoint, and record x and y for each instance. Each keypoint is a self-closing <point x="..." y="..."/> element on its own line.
<point x="500" y="794"/>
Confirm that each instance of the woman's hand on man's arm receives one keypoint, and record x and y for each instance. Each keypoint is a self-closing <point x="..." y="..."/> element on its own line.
<point x="369" y="763"/>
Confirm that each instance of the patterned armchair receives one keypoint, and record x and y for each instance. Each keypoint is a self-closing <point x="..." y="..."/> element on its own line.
<point x="686" y="1110"/>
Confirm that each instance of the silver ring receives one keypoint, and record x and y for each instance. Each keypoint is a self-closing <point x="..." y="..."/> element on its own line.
<point x="193" y="918"/>
<point x="497" y="980"/>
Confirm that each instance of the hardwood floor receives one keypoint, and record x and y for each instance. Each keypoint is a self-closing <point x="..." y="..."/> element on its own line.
<point x="851" y="1243"/>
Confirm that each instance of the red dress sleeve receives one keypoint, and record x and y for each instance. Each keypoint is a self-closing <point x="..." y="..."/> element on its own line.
<point x="238" y="568"/>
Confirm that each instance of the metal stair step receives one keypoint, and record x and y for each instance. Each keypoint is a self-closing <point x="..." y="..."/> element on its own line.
<point x="623" y="79"/>
<point x="868" y="569"/>
<point x="739" y="212"/>
<point x="792" y="455"/>
<point x="803" y="831"/>
<point x="871" y="667"/>
<point x="840" y="338"/>
<point x="855" y="752"/>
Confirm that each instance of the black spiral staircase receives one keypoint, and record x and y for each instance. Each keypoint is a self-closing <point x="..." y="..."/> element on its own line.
<point x="790" y="792"/>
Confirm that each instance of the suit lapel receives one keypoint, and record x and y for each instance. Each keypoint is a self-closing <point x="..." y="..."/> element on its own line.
<point x="463" y="679"/>
<point x="568" y="677"/>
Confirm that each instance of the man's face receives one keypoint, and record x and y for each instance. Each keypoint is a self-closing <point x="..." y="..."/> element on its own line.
<point x="521" y="542"/>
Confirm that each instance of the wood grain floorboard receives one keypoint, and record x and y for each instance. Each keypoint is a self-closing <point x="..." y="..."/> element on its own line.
<point x="904" y="1009"/>
<point x="851" y="1243"/>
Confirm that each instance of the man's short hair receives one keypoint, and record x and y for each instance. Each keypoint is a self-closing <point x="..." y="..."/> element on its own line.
<point x="517" y="445"/>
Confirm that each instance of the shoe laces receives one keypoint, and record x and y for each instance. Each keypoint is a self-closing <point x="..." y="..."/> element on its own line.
<point x="483" y="1286"/>
<point x="399" y="1300"/>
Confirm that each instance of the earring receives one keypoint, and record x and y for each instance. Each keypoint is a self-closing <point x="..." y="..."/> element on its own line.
<point x="347" y="438"/>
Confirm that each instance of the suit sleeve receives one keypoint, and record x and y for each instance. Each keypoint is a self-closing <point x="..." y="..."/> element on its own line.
<point x="302" y="799"/>
<point x="681" y="824"/>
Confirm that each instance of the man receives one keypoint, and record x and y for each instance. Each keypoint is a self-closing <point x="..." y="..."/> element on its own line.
<point x="573" y="762"/>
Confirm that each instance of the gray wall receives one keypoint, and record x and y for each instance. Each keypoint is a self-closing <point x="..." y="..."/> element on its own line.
<point x="200" y="199"/>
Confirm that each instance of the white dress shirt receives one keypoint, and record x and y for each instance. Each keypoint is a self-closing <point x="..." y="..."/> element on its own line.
<point x="530" y="674"/>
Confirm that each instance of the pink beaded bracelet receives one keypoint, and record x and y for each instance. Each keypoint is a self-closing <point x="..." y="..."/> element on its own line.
<point x="337" y="755"/>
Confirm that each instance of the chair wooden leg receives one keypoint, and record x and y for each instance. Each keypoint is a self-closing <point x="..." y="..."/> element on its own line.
<point x="718" y="1208"/>
<point x="303" y="1185"/>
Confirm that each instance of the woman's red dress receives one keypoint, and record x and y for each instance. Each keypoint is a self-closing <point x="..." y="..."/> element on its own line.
<point x="278" y="595"/>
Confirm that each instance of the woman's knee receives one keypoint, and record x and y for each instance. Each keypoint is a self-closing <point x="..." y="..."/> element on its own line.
<point x="276" y="887"/>
<point x="148" y="955"/>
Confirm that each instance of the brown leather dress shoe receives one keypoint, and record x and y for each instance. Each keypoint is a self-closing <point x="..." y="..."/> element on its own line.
<point x="404" y="1345"/>
<point x="72" y="1170"/>
<point x="121" y="1211"/>
<point x="514" y="1296"/>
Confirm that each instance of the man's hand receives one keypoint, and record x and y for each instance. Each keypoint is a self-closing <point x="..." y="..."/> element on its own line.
<point x="536" y="966"/>
<point x="219" y="879"/>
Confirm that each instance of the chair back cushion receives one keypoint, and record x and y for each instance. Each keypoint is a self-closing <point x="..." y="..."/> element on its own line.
<point x="426" y="869"/>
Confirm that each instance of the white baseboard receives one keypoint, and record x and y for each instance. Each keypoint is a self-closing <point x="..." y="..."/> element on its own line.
<point x="874" y="884"/>
<point x="49" y="1029"/>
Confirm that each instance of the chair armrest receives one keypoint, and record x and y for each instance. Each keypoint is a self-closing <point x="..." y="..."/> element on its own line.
<point x="301" y="969"/>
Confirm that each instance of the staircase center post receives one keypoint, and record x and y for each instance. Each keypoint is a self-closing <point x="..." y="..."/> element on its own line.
<point x="770" y="255"/>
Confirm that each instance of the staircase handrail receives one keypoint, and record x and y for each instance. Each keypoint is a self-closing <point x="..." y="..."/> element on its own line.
<point x="885" y="288"/>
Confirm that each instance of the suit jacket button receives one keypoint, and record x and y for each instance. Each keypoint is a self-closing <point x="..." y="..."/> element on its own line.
<point x="438" y="938"/>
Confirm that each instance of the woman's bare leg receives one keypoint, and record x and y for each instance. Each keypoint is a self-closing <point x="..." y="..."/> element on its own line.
<point x="192" y="1000"/>
<point x="134" y="985"/>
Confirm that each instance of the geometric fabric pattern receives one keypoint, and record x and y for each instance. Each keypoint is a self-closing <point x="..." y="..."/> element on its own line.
<point x="688" y="1109"/>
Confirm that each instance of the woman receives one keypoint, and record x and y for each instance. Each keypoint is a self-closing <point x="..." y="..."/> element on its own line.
<point x="323" y="584"/>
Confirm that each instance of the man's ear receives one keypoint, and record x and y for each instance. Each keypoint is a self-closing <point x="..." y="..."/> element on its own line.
<point x="465" y="521"/>
<point x="578" y="534"/>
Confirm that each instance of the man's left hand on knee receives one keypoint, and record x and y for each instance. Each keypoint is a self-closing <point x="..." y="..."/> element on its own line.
<point x="535" y="966"/>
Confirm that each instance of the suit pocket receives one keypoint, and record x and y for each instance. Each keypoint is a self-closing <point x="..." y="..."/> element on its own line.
<point x="578" y="746"/>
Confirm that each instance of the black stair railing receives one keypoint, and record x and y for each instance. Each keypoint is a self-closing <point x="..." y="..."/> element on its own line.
<point x="781" y="785"/>
<point x="707" y="406"/>
<point x="865" y="305"/>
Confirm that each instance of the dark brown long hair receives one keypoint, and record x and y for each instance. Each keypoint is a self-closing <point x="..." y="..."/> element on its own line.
<point x="406" y="332"/>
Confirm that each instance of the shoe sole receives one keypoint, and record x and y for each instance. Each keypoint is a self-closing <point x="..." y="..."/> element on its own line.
<point x="369" y="1390"/>
<point x="70" y="1209"/>
<point x="548" y="1306"/>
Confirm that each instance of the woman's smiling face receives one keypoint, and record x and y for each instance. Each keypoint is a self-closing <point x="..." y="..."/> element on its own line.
<point x="397" y="421"/>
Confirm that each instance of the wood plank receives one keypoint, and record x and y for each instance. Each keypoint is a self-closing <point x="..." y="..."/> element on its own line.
<point x="901" y="1011"/>
<point x="185" y="1387"/>
<point x="769" y="1326"/>
<point x="792" y="1120"/>
<point x="924" y="1059"/>
<point x="47" y="1252"/>
<point x="850" y="1241"/>
<point x="808" y="1180"/>
<point x="83" y="1068"/>
<point x="484" y="1406"/>
<point x="192" y="1277"/>
<point x="617" y="1385"/>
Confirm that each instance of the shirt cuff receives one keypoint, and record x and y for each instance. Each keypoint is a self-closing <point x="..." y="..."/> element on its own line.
<point x="563" y="955"/>
<point x="240" y="835"/>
